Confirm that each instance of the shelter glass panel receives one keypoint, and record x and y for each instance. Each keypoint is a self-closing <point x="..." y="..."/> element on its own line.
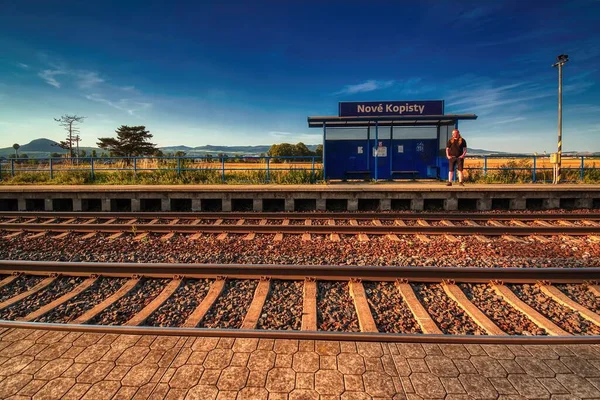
<point x="346" y="133"/>
<point x="415" y="132"/>
<point x="445" y="134"/>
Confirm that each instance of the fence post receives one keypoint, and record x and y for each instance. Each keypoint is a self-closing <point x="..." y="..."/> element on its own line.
<point x="484" y="165"/>
<point x="92" y="166"/>
<point x="312" y="171"/>
<point x="534" y="172"/>
<point x="51" y="169"/>
<point x="582" y="174"/>
<point x="223" y="169"/>
<point x="135" y="167"/>
<point x="178" y="166"/>
<point x="12" y="167"/>
<point x="268" y="169"/>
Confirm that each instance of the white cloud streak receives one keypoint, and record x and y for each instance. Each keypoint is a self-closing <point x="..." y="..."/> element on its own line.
<point x="88" y="79"/>
<point x="131" y="107"/>
<point x="367" y="86"/>
<point x="48" y="75"/>
<point x="294" y="137"/>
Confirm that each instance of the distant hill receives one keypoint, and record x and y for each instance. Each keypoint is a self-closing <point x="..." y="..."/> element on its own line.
<point x="246" y="150"/>
<point x="481" y="152"/>
<point x="39" y="145"/>
<point x="176" y="148"/>
<point x="44" y="147"/>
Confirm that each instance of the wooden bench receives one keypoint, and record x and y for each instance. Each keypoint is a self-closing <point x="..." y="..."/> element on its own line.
<point x="364" y="174"/>
<point x="413" y="174"/>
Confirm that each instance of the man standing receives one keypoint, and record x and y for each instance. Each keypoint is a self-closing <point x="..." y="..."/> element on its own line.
<point x="456" y="150"/>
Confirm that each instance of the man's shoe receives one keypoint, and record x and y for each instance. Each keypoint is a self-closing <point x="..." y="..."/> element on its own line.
<point x="461" y="184"/>
<point x="449" y="184"/>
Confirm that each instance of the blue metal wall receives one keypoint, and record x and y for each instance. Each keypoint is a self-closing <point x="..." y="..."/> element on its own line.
<point x="344" y="158"/>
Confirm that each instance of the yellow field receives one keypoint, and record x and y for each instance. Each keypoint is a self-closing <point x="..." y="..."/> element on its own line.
<point x="154" y="164"/>
<point x="149" y="164"/>
<point x="539" y="163"/>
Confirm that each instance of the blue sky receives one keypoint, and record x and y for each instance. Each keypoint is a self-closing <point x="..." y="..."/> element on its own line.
<point x="249" y="73"/>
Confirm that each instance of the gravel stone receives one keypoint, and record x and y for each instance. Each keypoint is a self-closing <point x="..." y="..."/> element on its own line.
<point x="408" y="251"/>
<point x="390" y="311"/>
<point x="283" y="307"/>
<point x="20" y="285"/>
<point x="127" y="306"/>
<point x="178" y="307"/>
<point x="448" y="315"/>
<point x="66" y="312"/>
<point x="230" y="308"/>
<point x="59" y="287"/>
<point x="335" y="308"/>
<point x="505" y="316"/>
<point x="581" y="295"/>
<point x="564" y="317"/>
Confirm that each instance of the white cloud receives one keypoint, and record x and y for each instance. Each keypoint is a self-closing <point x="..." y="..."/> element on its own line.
<point x="130" y="89"/>
<point x="24" y="66"/>
<point x="48" y="75"/>
<point x="582" y="108"/>
<point x="88" y="79"/>
<point x="367" y="86"/>
<point x="131" y="107"/>
<point x="502" y="121"/>
<point x="294" y="137"/>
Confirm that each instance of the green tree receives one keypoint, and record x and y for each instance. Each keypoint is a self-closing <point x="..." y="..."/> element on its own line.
<point x="16" y="146"/>
<point x="319" y="150"/>
<point x="82" y="153"/>
<point x="282" y="150"/>
<point x="94" y="155"/>
<point x="55" y="155"/>
<point x="131" y="141"/>
<point x="300" y="149"/>
<point x="180" y="153"/>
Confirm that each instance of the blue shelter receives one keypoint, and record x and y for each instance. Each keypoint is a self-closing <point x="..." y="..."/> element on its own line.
<point x="387" y="139"/>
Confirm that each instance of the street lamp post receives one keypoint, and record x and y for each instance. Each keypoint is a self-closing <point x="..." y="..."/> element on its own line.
<point x="560" y="61"/>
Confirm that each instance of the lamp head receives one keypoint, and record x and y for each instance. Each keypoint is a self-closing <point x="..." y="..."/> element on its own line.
<point x="563" y="58"/>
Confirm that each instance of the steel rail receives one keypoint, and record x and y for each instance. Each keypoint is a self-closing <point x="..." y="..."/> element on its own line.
<point x="320" y="272"/>
<point x="299" y="229"/>
<point x="307" y="215"/>
<point x="303" y="335"/>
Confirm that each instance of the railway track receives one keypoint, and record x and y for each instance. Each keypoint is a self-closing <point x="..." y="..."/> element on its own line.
<point x="420" y="304"/>
<point x="334" y="224"/>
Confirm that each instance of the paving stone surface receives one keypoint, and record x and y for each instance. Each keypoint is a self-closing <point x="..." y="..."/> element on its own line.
<point x="37" y="364"/>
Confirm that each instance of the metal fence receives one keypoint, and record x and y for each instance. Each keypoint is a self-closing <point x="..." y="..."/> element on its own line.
<point x="532" y="168"/>
<point x="266" y="165"/>
<point x="517" y="167"/>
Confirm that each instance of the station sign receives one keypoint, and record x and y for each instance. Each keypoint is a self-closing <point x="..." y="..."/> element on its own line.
<point x="391" y="108"/>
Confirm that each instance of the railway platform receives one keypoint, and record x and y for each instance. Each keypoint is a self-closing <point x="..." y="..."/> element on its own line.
<point x="42" y="364"/>
<point x="355" y="196"/>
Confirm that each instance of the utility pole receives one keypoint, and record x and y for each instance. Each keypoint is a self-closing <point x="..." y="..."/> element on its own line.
<point x="77" y="140"/>
<point x="560" y="61"/>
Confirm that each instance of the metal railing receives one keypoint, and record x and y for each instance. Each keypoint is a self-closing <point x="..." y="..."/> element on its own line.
<point x="532" y="168"/>
<point x="263" y="168"/>
<point x="264" y="165"/>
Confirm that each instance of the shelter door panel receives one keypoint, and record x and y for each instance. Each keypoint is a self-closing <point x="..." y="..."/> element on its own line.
<point x="380" y="156"/>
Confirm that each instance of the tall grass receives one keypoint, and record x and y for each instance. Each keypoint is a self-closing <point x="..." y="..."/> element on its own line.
<point x="165" y="177"/>
<point x="164" y="172"/>
<point x="521" y="171"/>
